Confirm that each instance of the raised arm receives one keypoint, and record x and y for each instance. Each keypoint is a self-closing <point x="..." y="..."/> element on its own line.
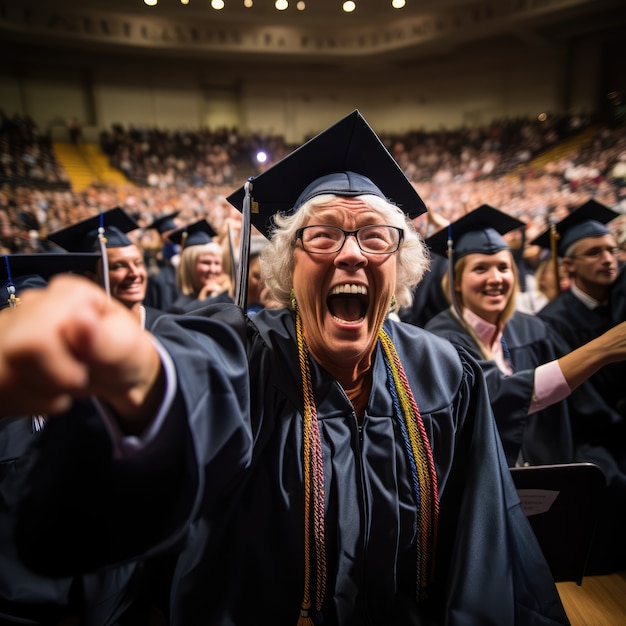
<point x="580" y="364"/>
<point x="69" y="340"/>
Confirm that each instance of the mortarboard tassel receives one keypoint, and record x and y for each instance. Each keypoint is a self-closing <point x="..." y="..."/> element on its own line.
<point x="102" y="242"/>
<point x="450" y="253"/>
<point x="554" y="237"/>
<point x="13" y="300"/>
<point x="231" y="255"/>
<point x="241" y="288"/>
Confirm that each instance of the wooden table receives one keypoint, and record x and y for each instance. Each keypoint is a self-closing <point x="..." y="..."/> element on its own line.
<point x="599" y="601"/>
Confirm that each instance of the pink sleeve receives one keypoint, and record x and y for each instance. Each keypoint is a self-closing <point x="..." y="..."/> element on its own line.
<point x="550" y="386"/>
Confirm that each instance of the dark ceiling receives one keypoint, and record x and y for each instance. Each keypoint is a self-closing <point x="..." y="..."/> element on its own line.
<point x="321" y="33"/>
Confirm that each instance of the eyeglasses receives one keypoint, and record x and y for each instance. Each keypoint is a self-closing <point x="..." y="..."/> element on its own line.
<point x="597" y="252"/>
<point x="374" y="239"/>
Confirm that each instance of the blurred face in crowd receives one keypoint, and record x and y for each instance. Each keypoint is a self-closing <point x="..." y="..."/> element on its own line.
<point x="255" y="283"/>
<point x="127" y="275"/>
<point x="343" y="296"/>
<point x="487" y="282"/>
<point x="546" y="281"/>
<point x="592" y="265"/>
<point x="207" y="269"/>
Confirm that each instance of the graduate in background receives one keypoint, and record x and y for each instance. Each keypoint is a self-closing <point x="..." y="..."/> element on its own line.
<point x="162" y="289"/>
<point x="596" y="300"/>
<point x="517" y="352"/>
<point x="200" y="274"/>
<point x="121" y="269"/>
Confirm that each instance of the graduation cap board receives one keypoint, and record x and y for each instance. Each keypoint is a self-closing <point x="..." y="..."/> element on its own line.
<point x="164" y="223"/>
<point x="85" y="236"/>
<point x="588" y="220"/>
<point x="347" y="159"/>
<point x="196" y="234"/>
<point x="106" y="230"/>
<point x="25" y="271"/>
<point x="480" y="231"/>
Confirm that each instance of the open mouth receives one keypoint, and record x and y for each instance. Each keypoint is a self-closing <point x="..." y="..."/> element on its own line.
<point x="348" y="303"/>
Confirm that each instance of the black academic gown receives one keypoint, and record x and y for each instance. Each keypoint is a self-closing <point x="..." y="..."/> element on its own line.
<point x="162" y="289"/>
<point x="428" y="298"/>
<point x="107" y="598"/>
<point x="602" y="438"/>
<point x="542" y="437"/>
<point x="188" y="303"/>
<point x="223" y="479"/>
<point x="577" y="325"/>
<point x="152" y="315"/>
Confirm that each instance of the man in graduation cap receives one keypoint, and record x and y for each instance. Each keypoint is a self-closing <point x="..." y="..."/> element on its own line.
<point x="162" y="289"/>
<point x="121" y="270"/>
<point x="594" y="303"/>
<point x="596" y="298"/>
<point x="316" y="462"/>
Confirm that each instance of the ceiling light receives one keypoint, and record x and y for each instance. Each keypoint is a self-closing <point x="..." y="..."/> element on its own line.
<point x="218" y="5"/>
<point x="398" y="4"/>
<point x="281" y="5"/>
<point x="301" y="6"/>
<point x="349" y="6"/>
<point x="151" y="3"/>
<point x="248" y="3"/>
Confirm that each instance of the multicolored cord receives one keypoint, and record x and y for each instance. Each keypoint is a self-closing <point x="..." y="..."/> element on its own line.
<point x="420" y="459"/>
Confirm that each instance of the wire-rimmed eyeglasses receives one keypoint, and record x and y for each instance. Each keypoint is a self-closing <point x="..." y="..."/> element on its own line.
<point x="374" y="239"/>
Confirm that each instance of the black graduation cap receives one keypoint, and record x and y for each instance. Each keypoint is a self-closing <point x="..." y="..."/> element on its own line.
<point x="165" y="222"/>
<point x="347" y="159"/>
<point x="588" y="220"/>
<point x="31" y="271"/>
<point x="83" y="236"/>
<point x="195" y="234"/>
<point x="480" y="231"/>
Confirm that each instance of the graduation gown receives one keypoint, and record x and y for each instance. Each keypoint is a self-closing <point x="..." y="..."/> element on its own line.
<point x="162" y="289"/>
<point x="152" y="315"/>
<point x="97" y="599"/>
<point x="428" y="298"/>
<point x="577" y="325"/>
<point x="223" y="480"/>
<point x="188" y="303"/>
<point x="543" y="437"/>
<point x="601" y="438"/>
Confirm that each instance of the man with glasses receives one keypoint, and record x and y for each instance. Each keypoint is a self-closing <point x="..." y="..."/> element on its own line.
<point x="595" y="302"/>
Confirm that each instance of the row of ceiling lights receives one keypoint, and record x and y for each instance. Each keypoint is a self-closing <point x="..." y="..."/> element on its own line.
<point x="281" y="5"/>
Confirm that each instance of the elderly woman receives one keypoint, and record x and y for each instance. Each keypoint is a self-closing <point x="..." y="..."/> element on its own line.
<point x="314" y="462"/>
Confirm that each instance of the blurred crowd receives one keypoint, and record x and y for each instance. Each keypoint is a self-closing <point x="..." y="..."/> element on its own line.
<point x="192" y="172"/>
